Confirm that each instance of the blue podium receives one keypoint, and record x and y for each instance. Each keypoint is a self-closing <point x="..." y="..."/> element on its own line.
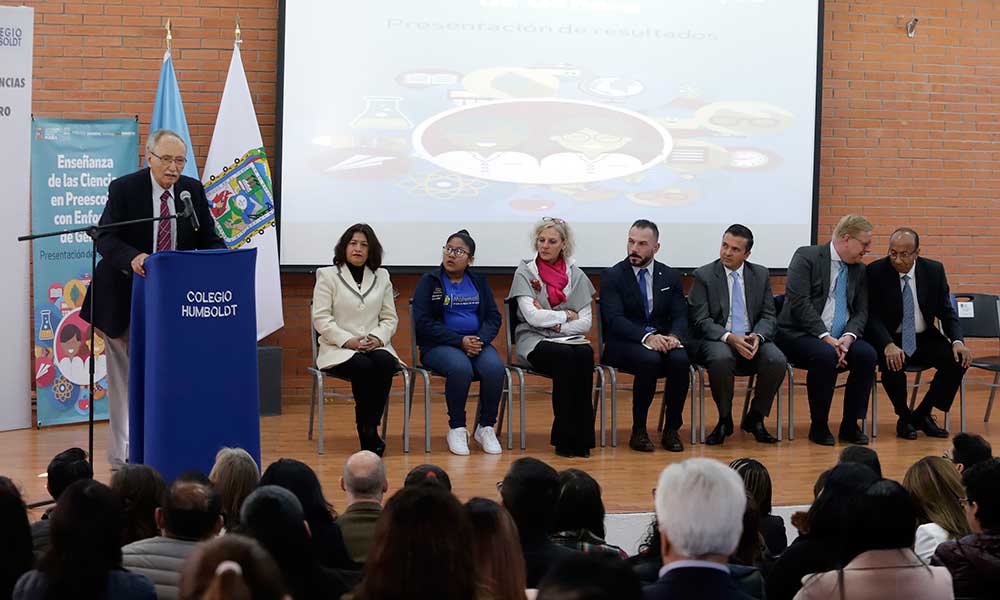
<point x="193" y="360"/>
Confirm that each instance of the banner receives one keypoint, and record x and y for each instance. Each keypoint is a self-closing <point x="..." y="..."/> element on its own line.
<point x="16" y="41"/>
<point x="72" y="163"/>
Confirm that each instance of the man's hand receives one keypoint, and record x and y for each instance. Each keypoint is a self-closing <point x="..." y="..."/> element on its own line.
<point x="663" y="343"/>
<point x="894" y="357"/>
<point x="963" y="355"/>
<point x="745" y="345"/>
<point x="845" y="342"/>
<point x="829" y="339"/>
<point x="472" y="345"/>
<point x="139" y="263"/>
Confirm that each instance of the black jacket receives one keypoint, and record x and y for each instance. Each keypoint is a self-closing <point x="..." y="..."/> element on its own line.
<point x="622" y="312"/>
<point x="974" y="564"/>
<point x="695" y="582"/>
<point x="428" y="312"/>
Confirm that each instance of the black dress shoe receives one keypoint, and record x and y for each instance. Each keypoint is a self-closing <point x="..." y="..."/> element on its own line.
<point x="370" y="440"/>
<point x="905" y="430"/>
<point x="821" y="434"/>
<point x="565" y="452"/>
<point x="672" y="441"/>
<point x="852" y="434"/>
<point x="640" y="442"/>
<point x="928" y="426"/>
<point x="759" y="432"/>
<point x="585" y="453"/>
<point x="722" y="430"/>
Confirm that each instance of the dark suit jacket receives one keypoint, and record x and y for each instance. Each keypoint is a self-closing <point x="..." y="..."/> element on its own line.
<point x="709" y="307"/>
<point x="622" y="313"/>
<point x="695" y="582"/>
<point x="806" y="290"/>
<point x="131" y="197"/>
<point x="885" y="314"/>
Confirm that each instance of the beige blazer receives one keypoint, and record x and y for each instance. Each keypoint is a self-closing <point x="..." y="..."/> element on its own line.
<point x="880" y="574"/>
<point x="342" y="310"/>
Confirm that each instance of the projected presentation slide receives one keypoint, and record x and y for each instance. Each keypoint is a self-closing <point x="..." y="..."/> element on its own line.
<point x="422" y="118"/>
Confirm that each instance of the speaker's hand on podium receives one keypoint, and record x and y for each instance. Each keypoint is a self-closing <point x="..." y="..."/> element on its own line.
<point x="139" y="263"/>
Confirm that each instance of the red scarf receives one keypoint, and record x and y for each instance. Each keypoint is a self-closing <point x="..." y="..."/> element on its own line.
<point x="555" y="279"/>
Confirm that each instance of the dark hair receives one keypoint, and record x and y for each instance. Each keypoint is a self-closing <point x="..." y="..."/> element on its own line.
<point x="273" y="516"/>
<point x="141" y="490"/>
<point x="650" y="546"/>
<point x="647" y="224"/>
<point x="590" y="577"/>
<point x="982" y="486"/>
<point x="530" y="491"/>
<point x="861" y="455"/>
<point x="258" y="579"/>
<point x="86" y="537"/>
<point x="191" y="509"/>
<point x="463" y="235"/>
<point x="969" y="449"/>
<point x="883" y="517"/>
<point x="741" y="231"/>
<point x="828" y="515"/>
<point x="497" y="550"/>
<point x="748" y="550"/>
<point x="579" y="504"/>
<point x="374" y="247"/>
<point x="427" y="473"/>
<point x="67" y="467"/>
<point x="421" y="543"/>
<point x="16" y="557"/>
<point x="757" y="481"/>
<point x="70" y="331"/>
<point x="907" y="230"/>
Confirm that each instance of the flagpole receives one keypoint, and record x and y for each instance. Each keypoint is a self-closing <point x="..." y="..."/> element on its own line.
<point x="170" y="36"/>
<point x="239" y="40"/>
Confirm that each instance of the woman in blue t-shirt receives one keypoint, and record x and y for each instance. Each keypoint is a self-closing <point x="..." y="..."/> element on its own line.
<point x="456" y="319"/>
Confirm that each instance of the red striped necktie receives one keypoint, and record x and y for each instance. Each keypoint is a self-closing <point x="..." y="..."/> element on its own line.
<point x="163" y="228"/>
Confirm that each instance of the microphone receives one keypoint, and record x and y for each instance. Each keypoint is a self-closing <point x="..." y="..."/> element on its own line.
<point x="189" y="210"/>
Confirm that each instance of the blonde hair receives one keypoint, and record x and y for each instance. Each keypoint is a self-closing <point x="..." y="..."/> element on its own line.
<point x="561" y="227"/>
<point x="852" y="225"/>
<point x="935" y="486"/>
<point x="235" y="475"/>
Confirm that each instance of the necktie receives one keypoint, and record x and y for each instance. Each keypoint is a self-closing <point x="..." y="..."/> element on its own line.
<point x="163" y="227"/>
<point x="739" y="306"/>
<point x="909" y="324"/>
<point x="840" y="303"/>
<point x="642" y="292"/>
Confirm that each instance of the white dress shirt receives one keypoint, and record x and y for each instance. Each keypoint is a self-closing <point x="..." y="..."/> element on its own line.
<point x="829" y="308"/>
<point x="729" y="285"/>
<point x="157" y="192"/>
<point x="918" y="316"/>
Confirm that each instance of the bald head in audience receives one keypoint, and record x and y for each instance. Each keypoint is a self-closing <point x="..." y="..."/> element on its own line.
<point x="364" y="478"/>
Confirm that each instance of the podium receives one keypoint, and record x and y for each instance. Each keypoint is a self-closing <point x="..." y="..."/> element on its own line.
<point x="193" y="360"/>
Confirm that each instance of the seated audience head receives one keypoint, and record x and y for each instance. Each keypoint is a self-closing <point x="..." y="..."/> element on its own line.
<point x="982" y="496"/>
<point x="748" y="551"/>
<point x="231" y="567"/>
<point x="65" y="468"/>
<point x="496" y="549"/>
<point x="364" y="477"/>
<point x="936" y="488"/>
<point x="458" y="253"/>
<point x="191" y="511"/>
<point x="861" y="455"/>
<point x="358" y="246"/>
<point x="968" y="449"/>
<point x="141" y="490"/>
<point x="426" y="473"/>
<point x="299" y="478"/>
<point x="530" y="490"/>
<point x="737" y="241"/>
<point x="699" y="507"/>
<point x="853" y="238"/>
<point x="643" y="242"/>
<point x="16" y="557"/>
<point x="86" y="536"/>
<point x="273" y="516"/>
<point x="882" y="517"/>
<point x="590" y="577"/>
<point x="829" y="514"/>
<point x="756" y="480"/>
<point x="422" y="542"/>
<point x="235" y="474"/>
<point x="552" y="239"/>
<point x="579" y="505"/>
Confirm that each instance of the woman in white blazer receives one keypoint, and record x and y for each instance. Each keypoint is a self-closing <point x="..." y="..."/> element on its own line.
<point x="354" y="313"/>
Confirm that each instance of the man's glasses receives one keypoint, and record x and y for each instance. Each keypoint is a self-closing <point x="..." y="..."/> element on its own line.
<point x="901" y="255"/>
<point x="864" y="245"/>
<point x="180" y="161"/>
<point x="455" y="252"/>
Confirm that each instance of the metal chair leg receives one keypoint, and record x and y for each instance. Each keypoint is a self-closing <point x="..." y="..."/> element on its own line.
<point x="691" y="391"/>
<point x="427" y="410"/>
<point x="510" y="409"/>
<point x="407" y="399"/>
<point x="701" y="405"/>
<point x="599" y="398"/>
<point x="778" y="415"/>
<point x="993" y="392"/>
<point x="874" y="428"/>
<point x="604" y="423"/>
<point x="961" y="406"/>
<point x="319" y="416"/>
<point x="916" y="386"/>
<point x="312" y="405"/>
<point x="614" y="408"/>
<point x="521" y="398"/>
<point x="791" y="405"/>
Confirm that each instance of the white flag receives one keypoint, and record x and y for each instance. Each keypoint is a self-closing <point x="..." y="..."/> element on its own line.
<point x="237" y="181"/>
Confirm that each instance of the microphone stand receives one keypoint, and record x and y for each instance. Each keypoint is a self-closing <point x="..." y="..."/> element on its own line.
<point x="93" y="231"/>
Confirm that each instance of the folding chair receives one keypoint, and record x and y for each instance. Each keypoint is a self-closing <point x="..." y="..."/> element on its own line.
<point x="981" y="320"/>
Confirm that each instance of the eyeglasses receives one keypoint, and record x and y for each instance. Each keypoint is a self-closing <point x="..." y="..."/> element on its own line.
<point x="555" y="220"/>
<point x="901" y="255"/>
<point x="863" y="244"/>
<point x="456" y="252"/>
<point x="180" y="161"/>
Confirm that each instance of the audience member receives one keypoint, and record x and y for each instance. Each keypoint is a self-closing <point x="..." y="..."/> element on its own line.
<point x="699" y="507"/>
<point x="974" y="560"/>
<point x="968" y="449"/>
<point x="821" y="547"/>
<point x="579" y="522"/>
<point x="235" y="475"/>
<point x="273" y="516"/>
<point x="496" y="550"/>
<point x="861" y="455"/>
<point x="530" y="491"/>
<point x="757" y="481"/>
<point x="84" y="561"/>
<point x="231" y="567"/>
<point x="421" y="549"/>
<point x="428" y="474"/>
<point x="647" y="562"/>
<point x="16" y="557"/>
<point x="590" y="577"/>
<point x="141" y="490"/>
<point x="365" y="483"/>
<point x="326" y="538"/>
<point x="936" y="487"/>
<point x="191" y="512"/>
<point x="878" y="556"/>
<point x="65" y="468"/>
<point x="745" y="563"/>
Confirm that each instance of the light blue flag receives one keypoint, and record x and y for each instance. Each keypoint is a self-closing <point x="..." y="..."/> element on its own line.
<point x="168" y="112"/>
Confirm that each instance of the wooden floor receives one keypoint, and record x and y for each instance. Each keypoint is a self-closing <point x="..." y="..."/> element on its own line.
<point x="626" y="476"/>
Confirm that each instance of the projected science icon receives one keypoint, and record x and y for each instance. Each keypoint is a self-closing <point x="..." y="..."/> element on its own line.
<point x="542" y="141"/>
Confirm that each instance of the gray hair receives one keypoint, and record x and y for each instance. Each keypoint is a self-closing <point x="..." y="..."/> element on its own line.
<point x="364" y="475"/>
<point x="155" y="137"/>
<point x="699" y="507"/>
<point x="561" y="227"/>
<point x="852" y="225"/>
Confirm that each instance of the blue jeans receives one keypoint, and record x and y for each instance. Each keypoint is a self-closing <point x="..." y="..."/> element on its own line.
<point x="459" y="371"/>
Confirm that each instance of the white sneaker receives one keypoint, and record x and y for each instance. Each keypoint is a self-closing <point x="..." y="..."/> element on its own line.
<point x="458" y="441"/>
<point x="487" y="438"/>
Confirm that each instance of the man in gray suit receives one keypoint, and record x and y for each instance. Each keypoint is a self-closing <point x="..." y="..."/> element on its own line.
<point x="821" y="323"/>
<point x="733" y="325"/>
